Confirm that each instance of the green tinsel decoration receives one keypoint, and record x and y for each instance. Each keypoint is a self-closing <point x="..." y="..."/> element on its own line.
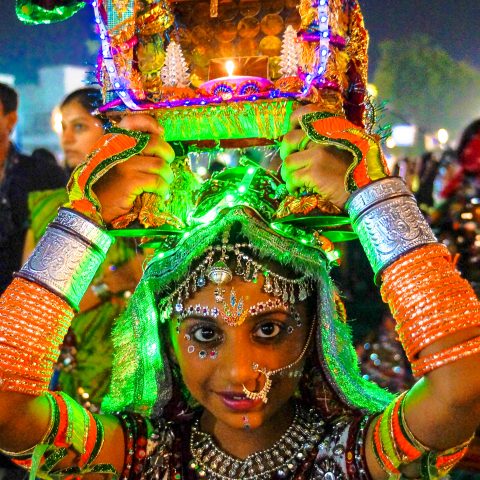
<point x="36" y="12"/>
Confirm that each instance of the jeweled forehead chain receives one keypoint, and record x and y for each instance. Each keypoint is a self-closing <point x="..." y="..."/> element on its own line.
<point x="219" y="273"/>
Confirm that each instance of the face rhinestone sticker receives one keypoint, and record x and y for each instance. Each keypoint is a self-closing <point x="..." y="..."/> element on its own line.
<point x="263" y="392"/>
<point x="234" y="314"/>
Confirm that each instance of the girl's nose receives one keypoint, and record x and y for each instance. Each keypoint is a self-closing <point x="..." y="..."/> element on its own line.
<point x="67" y="136"/>
<point x="237" y="361"/>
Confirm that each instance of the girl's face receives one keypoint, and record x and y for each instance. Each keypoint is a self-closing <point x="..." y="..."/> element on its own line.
<point x="80" y="131"/>
<point x="216" y="354"/>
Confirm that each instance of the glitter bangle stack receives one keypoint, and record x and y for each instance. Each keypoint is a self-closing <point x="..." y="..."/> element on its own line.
<point x="426" y="295"/>
<point x="37" y="308"/>
<point x="389" y="224"/>
<point x="419" y="289"/>
<point x="67" y="256"/>
<point x="33" y="322"/>
<point x="394" y="445"/>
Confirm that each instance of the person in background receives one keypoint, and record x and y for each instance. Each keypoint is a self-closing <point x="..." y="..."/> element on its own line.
<point x="19" y="175"/>
<point x="455" y="219"/>
<point x="80" y="129"/>
<point x="456" y="215"/>
<point x="84" y="365"/>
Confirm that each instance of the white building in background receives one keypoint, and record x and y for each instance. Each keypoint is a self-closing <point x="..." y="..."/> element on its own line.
<point x="37" y="101"/>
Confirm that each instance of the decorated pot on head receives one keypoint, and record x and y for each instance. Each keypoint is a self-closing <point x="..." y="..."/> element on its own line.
<point x="222" y="78"/>
<point x="224" y="69"/>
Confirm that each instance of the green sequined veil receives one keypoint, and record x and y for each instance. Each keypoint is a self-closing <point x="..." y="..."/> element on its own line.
<point x="142" y="380"/>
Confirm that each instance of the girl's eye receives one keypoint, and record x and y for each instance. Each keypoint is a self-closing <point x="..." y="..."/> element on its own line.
<point x="205" y="334"/>
<point x="79" y="127"/>
<point x="268" y="330"/>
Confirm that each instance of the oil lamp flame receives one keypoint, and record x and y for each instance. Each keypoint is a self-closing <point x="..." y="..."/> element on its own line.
<point x="229" y="67"/>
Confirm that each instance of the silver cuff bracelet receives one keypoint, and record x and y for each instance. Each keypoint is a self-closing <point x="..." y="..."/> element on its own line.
<point x="80" y="225"/>
<point x="67" y="256"/>
<point x="388" y="222"/>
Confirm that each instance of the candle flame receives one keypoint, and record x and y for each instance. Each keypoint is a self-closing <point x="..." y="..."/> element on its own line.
<point x="229" y="67"/>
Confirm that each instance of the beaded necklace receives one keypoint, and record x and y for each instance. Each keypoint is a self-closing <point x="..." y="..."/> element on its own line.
<point x="279" y="461"/>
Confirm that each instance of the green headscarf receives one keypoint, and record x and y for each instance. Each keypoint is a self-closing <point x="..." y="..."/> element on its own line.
<point x="142" y="380"/>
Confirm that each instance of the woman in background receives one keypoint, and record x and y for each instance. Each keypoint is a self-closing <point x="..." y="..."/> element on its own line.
<point x="83" y="368"/>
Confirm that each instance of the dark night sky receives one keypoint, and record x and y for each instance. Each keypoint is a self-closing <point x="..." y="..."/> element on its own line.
<point x="453" y="24"/>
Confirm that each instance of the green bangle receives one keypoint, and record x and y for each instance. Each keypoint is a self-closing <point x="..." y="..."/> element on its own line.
<point x="386" y="436"/>
<point x="98" y="442"/>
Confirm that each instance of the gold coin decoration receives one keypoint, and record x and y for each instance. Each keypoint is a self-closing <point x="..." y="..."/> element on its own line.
<point x="199" y="35"/>
<point x="201" y="11"/>
<point x="293" y="18"/>
<point x="270" y="46"/>
<point x="243" y="28"/>
<point x="247" y="47"/>
<point x="273" y="6"/>
<point x="227" y="50"/>
<point x="249" y="8"/>
<point x="248" y="27"/>
<point x="226" y="32"/>
<point x="227" y="11"/>
<point x="183" y="36"/>
<point x="272" y="24"/>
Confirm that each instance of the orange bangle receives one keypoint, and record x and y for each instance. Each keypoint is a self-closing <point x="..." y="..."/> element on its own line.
<point x="33" y="322"/>
<point x="419" y="289"/>
<point x="409" y="450"/>
<point x="60" y="438"/>
<point x="449" y="355"/>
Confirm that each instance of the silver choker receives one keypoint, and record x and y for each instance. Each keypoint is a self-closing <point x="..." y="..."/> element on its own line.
<point x="279" y="461"/>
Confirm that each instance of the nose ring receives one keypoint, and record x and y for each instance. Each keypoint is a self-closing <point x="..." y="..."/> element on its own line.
<point x="263" y="393"/>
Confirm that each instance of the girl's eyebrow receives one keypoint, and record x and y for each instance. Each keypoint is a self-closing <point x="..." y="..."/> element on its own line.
<point x="200" y="312"/>
<point x="198" y="316"/>
<point x="267" y="313"/>
<point x="213" y="315"/>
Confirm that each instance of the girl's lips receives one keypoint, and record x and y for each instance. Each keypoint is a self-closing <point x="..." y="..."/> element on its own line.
<point x="238" y="401"/>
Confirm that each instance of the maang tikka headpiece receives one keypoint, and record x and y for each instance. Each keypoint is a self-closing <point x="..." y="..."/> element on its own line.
<point x="214" y="268"/>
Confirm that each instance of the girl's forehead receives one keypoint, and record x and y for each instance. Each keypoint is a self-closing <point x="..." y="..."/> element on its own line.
<point x="250" y="292"/>
<point x="73" y="116"/>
